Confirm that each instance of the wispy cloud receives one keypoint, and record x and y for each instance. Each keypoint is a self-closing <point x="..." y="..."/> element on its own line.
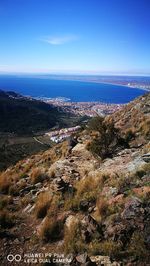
<point x="59" y="40"/>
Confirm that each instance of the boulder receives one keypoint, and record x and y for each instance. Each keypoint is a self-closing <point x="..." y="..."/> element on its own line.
<point x="109" y="191"/>
<point x="90" y="227"/>
<point x="146" y="157"/>
<point x="84" y="260"/>
<point x="27" y="189"/>
<point x="103" y="260"/>
<point x="84" y="205"/>
<point x="62" y="185"/>
<point x="70" y="220"/>
<point x="133" y="208"/>
<point x="120" y="232"/>
<point x="117" y="199"/>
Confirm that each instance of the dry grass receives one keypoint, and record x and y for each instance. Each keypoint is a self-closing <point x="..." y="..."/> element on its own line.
<point x="64" y="149"/>
<point x="146" y="168"/>
<point x="36" y="175"/>
<point x="51" y="173"/>
<point x="55" y="205"/>
<point x="106" y="248"/>
<point x="5" y="201"/>
<point x="90" y="184"/>
<point x="52" y="229"/>
<point x="7" y="219"/>
<point x="72" y="239"/>
<point x="5" y="182"/>
<point x="25" y="201"/>
<point x="102" y="207"/>
<point x="25" y="169"/>
<point x="86" y="185"/>
<point x="87" y="189"/>
<point x="137" y="247"/>
<point x="145" y="127"/>
<point x="43" y="203"/>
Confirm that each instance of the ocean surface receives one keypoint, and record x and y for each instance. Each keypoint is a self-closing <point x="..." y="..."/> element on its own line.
<point x="77" y="91"/>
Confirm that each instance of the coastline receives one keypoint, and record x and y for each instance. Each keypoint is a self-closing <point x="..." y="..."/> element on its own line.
<point x="93" y="81"/>
<point x="103" y="82"/>
<point x="67" y="78"/>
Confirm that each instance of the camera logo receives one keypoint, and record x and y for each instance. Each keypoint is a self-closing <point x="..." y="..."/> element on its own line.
<point x="12" y="257"/>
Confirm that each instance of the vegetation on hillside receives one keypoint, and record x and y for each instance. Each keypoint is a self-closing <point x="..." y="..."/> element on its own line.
<point x="107" y="140"/>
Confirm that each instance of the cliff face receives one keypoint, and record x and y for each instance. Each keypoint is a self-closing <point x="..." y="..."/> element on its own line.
<point x="68" y="200"/>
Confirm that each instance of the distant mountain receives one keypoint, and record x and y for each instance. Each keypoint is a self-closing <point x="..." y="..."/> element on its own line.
<point x="24" y="115"/>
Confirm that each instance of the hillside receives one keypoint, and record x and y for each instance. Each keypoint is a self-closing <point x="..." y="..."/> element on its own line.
<point x="22" y="118"/>
<point x="90" y="202"/>
<point x="134" y="119"/>
<point x="23" y="115"/>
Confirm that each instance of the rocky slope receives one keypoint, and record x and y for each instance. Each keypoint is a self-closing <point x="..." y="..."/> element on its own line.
<point x="68" y="200"/>
<point x="134" y="120"/>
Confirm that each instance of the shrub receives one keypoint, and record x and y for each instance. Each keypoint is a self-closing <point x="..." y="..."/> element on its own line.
<point x="109" y="139"/>
<point x="52" y="229"/>
<point x="42" y="204"/>
<point x="96" y="123"/>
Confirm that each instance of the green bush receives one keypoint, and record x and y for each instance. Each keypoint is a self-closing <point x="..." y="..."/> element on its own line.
<point x="108" y="140"/>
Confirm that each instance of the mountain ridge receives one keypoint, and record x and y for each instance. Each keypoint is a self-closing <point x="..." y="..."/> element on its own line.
<point x="24" y="115"/>
<point x="23" y="120"/>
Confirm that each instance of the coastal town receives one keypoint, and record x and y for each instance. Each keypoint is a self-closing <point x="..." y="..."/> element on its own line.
<point x="89" y="109"/>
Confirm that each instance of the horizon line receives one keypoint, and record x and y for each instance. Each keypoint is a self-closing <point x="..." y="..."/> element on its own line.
<point x="74" y="73"/>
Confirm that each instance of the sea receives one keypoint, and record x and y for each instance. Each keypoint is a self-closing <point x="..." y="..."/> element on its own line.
<point x="74" y="90"/>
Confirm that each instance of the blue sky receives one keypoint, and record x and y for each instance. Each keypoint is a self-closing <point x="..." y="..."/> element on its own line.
<point x="75" y="36"/>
